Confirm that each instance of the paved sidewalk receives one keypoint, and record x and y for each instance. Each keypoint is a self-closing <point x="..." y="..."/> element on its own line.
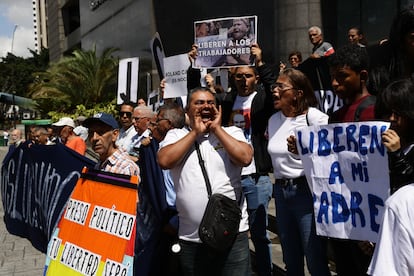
<point x="17" y="255"/>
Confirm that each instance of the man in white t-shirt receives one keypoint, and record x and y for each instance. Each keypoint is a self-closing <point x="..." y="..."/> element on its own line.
<point x="224" y="151"/>
<point x="394" y="251"/>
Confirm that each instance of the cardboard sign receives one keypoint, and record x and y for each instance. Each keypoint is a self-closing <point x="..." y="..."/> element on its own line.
<point x="347" y="169"/>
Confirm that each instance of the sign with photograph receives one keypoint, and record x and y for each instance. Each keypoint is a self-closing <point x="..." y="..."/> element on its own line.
<point x="225" y="42"/>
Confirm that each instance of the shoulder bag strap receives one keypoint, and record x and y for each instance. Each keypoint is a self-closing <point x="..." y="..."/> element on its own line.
<point x="203" y="168"/>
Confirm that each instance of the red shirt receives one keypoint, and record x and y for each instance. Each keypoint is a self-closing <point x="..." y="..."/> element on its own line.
<point x="347" y="113"/>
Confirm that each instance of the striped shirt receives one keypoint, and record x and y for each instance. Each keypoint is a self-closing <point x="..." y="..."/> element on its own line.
<point x="119" y="162"/>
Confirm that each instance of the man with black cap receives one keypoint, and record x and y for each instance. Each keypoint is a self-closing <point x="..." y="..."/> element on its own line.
<point x="103" y="131"/>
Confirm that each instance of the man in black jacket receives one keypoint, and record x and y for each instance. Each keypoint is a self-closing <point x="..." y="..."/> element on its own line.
<point x="251" y="96"/>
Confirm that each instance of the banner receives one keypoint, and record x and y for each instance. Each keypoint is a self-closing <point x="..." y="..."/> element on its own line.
<point x="225" y="42"/>
<point x="96" y="233"/>
<point x="36" y="182"/>
<point x="347" y="169"/>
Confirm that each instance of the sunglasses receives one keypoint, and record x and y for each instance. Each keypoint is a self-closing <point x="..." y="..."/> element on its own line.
<point x="128" y="114"/>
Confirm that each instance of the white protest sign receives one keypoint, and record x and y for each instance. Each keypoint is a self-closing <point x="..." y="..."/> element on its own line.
<point x="128" y="80"/>
<point x="347" y="168"/>
<point x="175" y="68"/>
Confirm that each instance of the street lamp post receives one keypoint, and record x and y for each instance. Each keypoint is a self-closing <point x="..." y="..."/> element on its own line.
<point x="14" y="110"/>
<point x="12" y="43"/>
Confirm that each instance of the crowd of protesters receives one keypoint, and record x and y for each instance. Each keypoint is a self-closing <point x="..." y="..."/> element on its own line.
<point x="270" y="102"/>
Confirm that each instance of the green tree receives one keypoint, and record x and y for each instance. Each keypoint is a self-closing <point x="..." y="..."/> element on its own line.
<point x="16" y="73"/>
<point x="83" y="78"/>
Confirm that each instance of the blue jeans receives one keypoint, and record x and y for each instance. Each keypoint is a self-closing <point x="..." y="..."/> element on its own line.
<point x="199" y="260"/>
<point x="296" y="226"/>
<point x="258" y="192"/>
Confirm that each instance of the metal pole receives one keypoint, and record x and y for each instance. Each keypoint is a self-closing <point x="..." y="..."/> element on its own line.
<point x="14" y="111"/>
<point x="12" y="43"/>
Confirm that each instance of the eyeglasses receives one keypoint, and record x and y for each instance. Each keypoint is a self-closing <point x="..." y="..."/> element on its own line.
<point x="241" y="76"/>
<point x="279" y="87"/>
<point x="161" y="119"/>
<point x="128" y="114"/>
<point x="138" y="118"/>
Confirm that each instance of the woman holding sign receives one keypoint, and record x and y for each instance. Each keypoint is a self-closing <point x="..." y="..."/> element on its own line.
<point x="294" y="98"/>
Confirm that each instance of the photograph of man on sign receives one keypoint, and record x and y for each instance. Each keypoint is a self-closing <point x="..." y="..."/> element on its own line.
<point x="225" y="42"/>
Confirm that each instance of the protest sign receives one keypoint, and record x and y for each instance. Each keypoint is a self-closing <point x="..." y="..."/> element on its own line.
<point x="96" y="233"/>
<point x="128" y="80"/>
<point x="36" y="183"/>
<point x="347" y="169"/>
<point x="158" y="54"/>
<point x="225" y="42"/>
<point x="175" y="68"/>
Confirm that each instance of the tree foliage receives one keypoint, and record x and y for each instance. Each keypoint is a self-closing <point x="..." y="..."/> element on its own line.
<point x="16" y="73"/>
<point x="81" y="79"/>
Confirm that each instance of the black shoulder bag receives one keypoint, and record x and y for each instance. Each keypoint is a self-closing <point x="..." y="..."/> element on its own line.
<point x="220" y="223"/>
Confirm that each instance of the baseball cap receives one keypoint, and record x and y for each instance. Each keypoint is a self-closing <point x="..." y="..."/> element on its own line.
<point x="65" y="121"/>
<point x="105" y="118"/>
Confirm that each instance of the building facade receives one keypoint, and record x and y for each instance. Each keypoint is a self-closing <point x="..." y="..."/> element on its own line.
<point x="40" y="24"/>
<point x="129" y="25"/>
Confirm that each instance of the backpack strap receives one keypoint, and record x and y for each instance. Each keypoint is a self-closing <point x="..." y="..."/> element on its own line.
<point x="370" y="100"/>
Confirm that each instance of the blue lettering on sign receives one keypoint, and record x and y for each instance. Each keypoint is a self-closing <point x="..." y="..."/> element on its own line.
<point x="339" y="200"/>
<point x="324" y="148"/>
<point x="355" y="142"/>
<point x="363" y="131"/>
<point x="350" y="138"/>
<point x="373" y="202"/>
<point x="360" y="169"/>
<point x="341" y="211"/>
<point x="356" y="199"/>
<point x="337" y="132"/>
<point x="336" y="173"/>
<point x="323" y="208"/>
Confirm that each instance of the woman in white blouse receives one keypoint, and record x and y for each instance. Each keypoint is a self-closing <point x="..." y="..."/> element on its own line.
<point x="295" y="101"/>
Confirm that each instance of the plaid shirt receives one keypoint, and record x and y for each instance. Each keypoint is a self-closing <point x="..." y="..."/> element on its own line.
<point x="119" y="162"/>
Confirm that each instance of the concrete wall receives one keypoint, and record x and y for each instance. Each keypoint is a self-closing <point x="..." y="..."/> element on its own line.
<point x="293" y="21"/>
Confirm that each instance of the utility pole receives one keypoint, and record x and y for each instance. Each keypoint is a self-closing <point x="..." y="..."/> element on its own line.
<point x="12" y="43"/>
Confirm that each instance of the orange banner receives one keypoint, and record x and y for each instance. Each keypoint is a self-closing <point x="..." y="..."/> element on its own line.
<point x="96" y="233"/>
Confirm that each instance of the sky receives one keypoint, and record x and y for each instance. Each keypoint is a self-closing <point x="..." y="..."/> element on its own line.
<point x="20" y="13"/>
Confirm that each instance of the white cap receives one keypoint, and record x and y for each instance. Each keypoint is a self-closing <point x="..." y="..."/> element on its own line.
<point x="81" y="131"/>
<point x="65" y="121"/>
